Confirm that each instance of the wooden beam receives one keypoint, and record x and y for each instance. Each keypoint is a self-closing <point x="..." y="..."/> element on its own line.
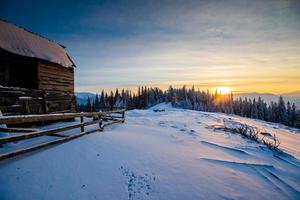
<point x="16" y="138"/>
<point x="63" y="138"/>
<point x="45" y="103"/>
<point x="36" y="147"/>
<point x="82" y="127"/>
<point x="17" y="130"/>
<point x="110" y="118"/>
<point x="19" y="119"/>
<point x="113" y="122"/>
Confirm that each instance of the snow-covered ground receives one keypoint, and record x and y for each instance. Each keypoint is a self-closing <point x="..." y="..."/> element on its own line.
<point x="176" y="154"/>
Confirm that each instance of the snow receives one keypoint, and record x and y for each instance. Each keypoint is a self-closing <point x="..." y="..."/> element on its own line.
<point x="175" y="154"/>
<point x="3" y="126"/>
<point x="82" y="97"/>
<point x="163" y="106"/>
<point x="25" y="98"/>
<point x="19" y="41"/>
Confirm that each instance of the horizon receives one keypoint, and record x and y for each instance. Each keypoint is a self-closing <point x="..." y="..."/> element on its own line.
<point x="292" y="97"/>
<point x="247" y="46"/>
<point x="134" y="89"/>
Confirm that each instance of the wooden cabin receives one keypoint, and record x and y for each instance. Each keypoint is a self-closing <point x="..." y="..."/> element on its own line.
<point x="36" y="74"/>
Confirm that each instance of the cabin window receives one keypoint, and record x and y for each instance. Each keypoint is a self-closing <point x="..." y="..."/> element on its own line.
<point x="19" y="74"/>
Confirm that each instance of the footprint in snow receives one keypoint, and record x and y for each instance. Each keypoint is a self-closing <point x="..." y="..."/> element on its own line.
<point x="189" y="132"/>
<point x="138" y="186"/>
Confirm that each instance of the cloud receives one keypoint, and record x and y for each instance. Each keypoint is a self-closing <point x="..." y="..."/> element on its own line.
<point x="245" y="44"/>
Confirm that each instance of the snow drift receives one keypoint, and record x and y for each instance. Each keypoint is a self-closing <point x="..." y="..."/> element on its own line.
<point x="175" y="154"/>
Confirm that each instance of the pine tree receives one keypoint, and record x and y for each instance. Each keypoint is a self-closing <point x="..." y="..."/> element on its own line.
<point x="117" y="100"/>
<point x="107" y="104"/>
<point x="289" y="114"/>
<point x="297" y="119"/>
<point x="265" y="111"/>
<point x="270" y="112"/>
<point x="89" y="105"/>
<point x="111" y="100"/>
<point x="293" y="115"/>
<point x="260" y="109"/>
<point x="282" y="117"/>
<point x="96" y="103"/>
<point x="102" y="103"/>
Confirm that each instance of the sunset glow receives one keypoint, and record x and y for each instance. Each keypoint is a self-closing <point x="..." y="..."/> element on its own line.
<point x="222" y="90"/>
<point x="249" y="46"/>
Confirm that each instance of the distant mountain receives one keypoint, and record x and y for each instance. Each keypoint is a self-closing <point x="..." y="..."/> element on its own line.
<point x="268" y="97"/>
<point x="295" y="93"/>
<point x="293" y="97"/>
<point x="81" y="97"/>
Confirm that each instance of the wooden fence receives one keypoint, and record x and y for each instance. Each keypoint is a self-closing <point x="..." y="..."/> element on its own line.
<point x="103" y="119"/>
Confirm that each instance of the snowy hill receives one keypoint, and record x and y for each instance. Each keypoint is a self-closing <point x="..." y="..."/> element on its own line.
<point x="175" y="154"/>
<point x="82" y="97"/>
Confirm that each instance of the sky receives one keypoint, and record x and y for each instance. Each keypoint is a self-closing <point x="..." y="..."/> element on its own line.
<point x="247" y="46"/>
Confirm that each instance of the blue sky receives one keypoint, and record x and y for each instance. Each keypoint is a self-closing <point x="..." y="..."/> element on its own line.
<point x="249" y="46"/>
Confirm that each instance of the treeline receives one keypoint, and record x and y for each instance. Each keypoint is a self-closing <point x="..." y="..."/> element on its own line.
<point x="189" y="98"/>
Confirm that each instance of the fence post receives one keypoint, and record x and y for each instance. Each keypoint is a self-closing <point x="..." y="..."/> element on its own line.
<point x="82" y="126"/>
<point x="100" y="122"/>
<point x="45" y="102"/>
<point x="123" y="116"/>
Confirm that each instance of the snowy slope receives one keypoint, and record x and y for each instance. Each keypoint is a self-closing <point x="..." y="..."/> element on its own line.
<point x="174" y="154"/>
<point x="82" y="97"/>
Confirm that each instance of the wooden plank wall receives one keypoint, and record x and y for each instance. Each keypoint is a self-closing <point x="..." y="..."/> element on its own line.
<point x="11" y="101"/>
<point x="55" y="92"/>
<point x="60" y="102"/>
<point x="55" y="78"/>
<point x="16" y="101"/>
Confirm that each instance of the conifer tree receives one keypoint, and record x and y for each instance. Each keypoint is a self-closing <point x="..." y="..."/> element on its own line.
<point x="102" y="103"/>
<point x="89" y="105"/>
<point x="96" y="103"/>
<point x="289" y="113"/>
<point x="293" y="115"/>
<point x="282" y="117"/>
<point x="188" y="98"/>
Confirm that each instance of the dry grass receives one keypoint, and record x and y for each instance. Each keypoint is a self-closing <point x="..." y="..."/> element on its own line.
<point x="254" y="134"/>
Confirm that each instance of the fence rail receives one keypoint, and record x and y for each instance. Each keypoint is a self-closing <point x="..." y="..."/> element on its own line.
<point x="19" y="119"/>
<point x="102" y="118"/>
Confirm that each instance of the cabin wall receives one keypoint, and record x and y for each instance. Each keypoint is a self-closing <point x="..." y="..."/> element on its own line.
<point x="58" y="84"/>
<point x="53" y="77"/>
<point x="33" y="86"/>
<point x="17" y="101"/>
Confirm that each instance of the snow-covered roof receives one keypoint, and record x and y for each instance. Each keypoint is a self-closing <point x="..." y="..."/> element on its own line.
<point x="22" y="42"/>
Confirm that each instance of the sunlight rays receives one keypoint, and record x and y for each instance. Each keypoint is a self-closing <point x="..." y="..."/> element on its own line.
<point x="222" y="90"/>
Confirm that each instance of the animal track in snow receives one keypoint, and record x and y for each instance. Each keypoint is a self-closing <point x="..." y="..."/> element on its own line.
<point x="138" y="186"/>
<point x="181" y="127"/>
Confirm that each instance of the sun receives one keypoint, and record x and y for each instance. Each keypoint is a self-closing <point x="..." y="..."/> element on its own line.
<point x="222" y="90"/>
